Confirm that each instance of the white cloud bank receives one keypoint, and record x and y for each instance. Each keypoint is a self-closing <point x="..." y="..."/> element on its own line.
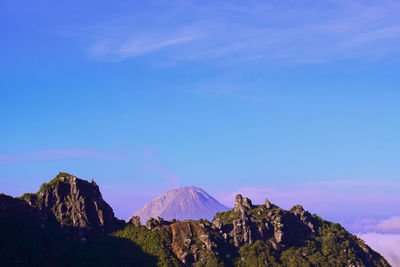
<point x="388" y="245"/>
<point x="383" y="236"/>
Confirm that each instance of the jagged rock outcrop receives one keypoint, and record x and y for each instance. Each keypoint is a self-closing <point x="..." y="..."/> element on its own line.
<point x="263" y="235"/>
<point x="75" y="203"/>
<point x="242" y="204"/>
<point x="265" y="222"/>
<point x="244" y="229"/>
<point x="193" y="242"/>
<point x="280" y="229"/>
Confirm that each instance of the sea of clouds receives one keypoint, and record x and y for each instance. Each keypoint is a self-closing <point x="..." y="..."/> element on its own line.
<point x="383" y="236"/>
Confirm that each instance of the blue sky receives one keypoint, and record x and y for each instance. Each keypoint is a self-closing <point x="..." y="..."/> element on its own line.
<point x="297" y="101"/>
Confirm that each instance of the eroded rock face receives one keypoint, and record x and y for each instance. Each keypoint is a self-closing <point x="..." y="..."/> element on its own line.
<point x="242" y="204"/>
<point x="75" y="203"/>
<point x="244" y="231"/>
<point x="264" y="222"/>
<point x="191" y="240"/>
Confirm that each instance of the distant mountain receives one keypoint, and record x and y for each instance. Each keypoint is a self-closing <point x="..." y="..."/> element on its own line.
<point x="182" y="204"/>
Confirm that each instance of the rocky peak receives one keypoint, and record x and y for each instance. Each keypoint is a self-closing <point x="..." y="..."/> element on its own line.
<point x="75" y="203"/>
<point x="267" y="204"/>
<point x="266" y="222"/>
<point x="242" y="204"/>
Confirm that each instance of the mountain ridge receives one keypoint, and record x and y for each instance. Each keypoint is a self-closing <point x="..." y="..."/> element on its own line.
<point x="44" y="229"/>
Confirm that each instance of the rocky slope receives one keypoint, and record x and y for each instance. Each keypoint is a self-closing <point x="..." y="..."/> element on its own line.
<point x="181" y="204"/>
<point x="67" y="223"/>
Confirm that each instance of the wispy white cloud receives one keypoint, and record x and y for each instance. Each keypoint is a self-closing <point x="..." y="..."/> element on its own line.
<point x="270" y="33"/>
<point x="55" y="154"/>
<point x="375" y="35"/>
<point x="137" y="46"/>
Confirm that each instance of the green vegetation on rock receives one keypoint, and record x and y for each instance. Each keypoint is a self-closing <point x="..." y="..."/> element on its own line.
<point x="154" y="243"/>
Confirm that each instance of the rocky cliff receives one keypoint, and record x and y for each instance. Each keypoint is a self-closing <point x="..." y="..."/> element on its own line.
<point x="74" y="203"/>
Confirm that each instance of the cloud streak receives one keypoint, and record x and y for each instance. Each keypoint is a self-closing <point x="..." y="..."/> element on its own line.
<point x="243" y="32"/>
<point x="137" y="46"/>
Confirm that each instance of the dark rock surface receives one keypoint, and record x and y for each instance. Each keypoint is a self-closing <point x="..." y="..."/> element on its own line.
<point x="26" y="233"/>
